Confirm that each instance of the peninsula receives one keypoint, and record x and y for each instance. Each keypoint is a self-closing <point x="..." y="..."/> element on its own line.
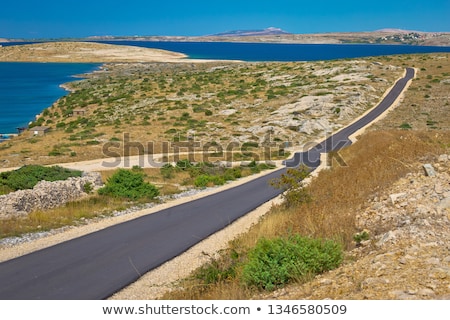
<point x="88" y="52"/>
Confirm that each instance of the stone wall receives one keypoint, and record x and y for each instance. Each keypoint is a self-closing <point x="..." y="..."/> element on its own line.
<point x="47" y="195"/>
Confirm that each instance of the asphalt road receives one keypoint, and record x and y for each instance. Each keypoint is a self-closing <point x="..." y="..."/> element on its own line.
<point x="341" y="139"/>
<point x="97" y="265"/>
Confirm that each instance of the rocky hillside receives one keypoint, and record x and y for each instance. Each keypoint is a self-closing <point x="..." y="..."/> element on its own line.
<point x="407" y="255"/>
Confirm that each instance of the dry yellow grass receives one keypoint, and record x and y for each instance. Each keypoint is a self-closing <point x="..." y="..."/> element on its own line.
<point x="73" y="213"/>
<point x="426" y="104"/>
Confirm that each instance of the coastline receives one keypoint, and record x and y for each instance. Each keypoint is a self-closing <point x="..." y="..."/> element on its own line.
<point x="26" y="98"/>
<point x="86" y="53"/>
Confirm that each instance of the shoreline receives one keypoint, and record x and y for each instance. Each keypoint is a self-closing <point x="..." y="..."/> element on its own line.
<point x="100" y="55"/>
<point x="65" y="86"/>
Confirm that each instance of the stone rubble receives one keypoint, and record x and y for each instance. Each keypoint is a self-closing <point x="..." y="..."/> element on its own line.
<point x="408" y="254"/>
<point x="47" y="195"/>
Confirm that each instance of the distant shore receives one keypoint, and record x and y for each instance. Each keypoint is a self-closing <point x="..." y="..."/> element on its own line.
<point x="383" y="36"/>
<point x="85" y="52"/>
<point x="92" y="52"/>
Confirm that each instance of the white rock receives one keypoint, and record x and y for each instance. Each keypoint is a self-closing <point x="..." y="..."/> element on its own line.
<point x="397" y="196"/>
<point x="443" y="158"/>
<point x="228" y="112"/>
<point x="444" y="204"/>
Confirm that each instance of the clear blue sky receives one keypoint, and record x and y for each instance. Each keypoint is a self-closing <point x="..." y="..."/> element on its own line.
<point x="81" y="18"/>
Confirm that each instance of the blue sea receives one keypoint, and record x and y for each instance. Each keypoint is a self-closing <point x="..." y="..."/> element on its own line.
<point x="28" y="88"/>
<point x="279" y="52"/>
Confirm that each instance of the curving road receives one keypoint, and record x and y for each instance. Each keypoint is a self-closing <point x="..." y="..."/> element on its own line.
<point x="341" y="139"/>
<point x="99" y="264"/>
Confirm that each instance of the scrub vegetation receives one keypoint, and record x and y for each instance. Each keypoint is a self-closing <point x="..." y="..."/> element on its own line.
<point x="28" y="176"/>
<point x="255" y="109"/>
<point x="124" y="189"/>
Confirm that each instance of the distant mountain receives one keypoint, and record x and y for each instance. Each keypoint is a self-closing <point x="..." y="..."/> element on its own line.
<point x="249" y="33"/>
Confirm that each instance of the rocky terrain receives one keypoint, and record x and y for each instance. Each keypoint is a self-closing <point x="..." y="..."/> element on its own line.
<point x="252" y="104"/>
<point x="407" y="255"/>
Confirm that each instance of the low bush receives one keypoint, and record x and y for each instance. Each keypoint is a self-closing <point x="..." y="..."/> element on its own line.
<point x="205" y="180"/>
<point x="219" y="270"/>
<point x="405" y="126"/>
<point x="232" y="174"/>
<point x="291" y="183"/>
<point x="168" y="171"/>
<point x="273" y="263"/>
<point x="129" y="184"/>
<point x="28" y="176"/>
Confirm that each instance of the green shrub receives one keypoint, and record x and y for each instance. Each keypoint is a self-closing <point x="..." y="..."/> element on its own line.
<point x="218" y="270"/>
<point x="202" y="181"/>
<point x="291" y="183"/>
<point x="129" y="184"/>
<point x="265" y="166"/>
<point x="60" y="125"/>
<point x="405" y="126"/>
<point x="28" y="176"/>
<point x="206" y="180"/>
<point x="88" y="187"/>
<point x="55" y="153"/>
<point x="273" y="263"/>
<point x="248" y="145"/>
<point x="184" y="164"/>
<point x="232" y="174"/>
<point x="167" y="171"/>
<point x="360" y="237"/>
